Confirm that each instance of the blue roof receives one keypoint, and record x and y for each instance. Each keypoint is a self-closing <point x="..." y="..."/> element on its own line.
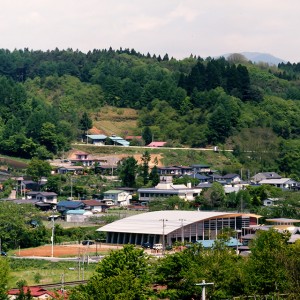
<point x="209" y="243"/>
<point x="119" y="140"/>
<point x="97" y="136"/>
<point x="70" y="204"/>
<point x="75" y="212"/>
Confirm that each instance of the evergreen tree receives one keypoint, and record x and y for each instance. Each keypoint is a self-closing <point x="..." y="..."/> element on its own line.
<point x="147" y="135"/>
<point x="128" y="169"/>
<point x="145" y="166"/>
<point x="154" y="176"/>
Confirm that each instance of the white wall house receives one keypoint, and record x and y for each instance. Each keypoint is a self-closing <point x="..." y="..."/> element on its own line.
<point x="283" y="183"/>
<point x="166" y="188"/>
<point x="117" y="198"/>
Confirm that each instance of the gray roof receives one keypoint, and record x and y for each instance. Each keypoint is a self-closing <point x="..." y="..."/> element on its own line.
<point x="152" y="222"/>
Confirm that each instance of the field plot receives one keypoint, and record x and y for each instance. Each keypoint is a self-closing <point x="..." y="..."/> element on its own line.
<point x="66" y="250"/>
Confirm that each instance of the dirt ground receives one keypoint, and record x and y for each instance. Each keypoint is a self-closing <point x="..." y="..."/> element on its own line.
<point x="65" y="250"/>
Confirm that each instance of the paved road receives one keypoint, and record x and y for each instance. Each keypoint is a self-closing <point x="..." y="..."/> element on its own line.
<point x="144" y="147"/>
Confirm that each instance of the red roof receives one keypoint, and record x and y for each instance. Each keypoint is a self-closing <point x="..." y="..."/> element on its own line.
<point x="132" y="137"/>
<point x="36" y="291"/>
<point x="156" y="144"/>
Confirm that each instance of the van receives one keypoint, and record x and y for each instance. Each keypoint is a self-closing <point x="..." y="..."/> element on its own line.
<point x="157" y="246"/>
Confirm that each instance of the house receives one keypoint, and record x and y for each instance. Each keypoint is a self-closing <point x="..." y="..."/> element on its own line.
<point x="157" y="144"/>
<point x="64" y="206"/>
<point x="232" y="178"/>
<point x="29" y="185"/>
<point x="166" y="188"/>
<point x="73" y="170"/>
<point x="174" y="170"/>
<point x="77" y="215"/>
<point x="97" y="139"/>
<point x="94" y="206"/>
<point x="46" y="197"/>
<point x="117" y="198"/>
<point x="264" y="175"/>
<point x="283" y="183"/>
<point x="108" y="170"/>
<point x="37" y="293"/>
<point x="81" y="158"/>
<point x="198" y="168"/>
<point x="129" y="138"/>
<point x="200" y="177"/>
<point x="116" y="140"/>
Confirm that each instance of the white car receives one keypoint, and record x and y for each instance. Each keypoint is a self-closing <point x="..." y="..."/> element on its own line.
<point x="157" y="246"/>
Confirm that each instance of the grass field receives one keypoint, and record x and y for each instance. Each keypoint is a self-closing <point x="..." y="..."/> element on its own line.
<point x="119" y="121"/>
<point x="44" y="272"/>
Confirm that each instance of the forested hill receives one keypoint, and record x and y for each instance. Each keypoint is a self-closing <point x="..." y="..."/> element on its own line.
<point x="194" y="102"/>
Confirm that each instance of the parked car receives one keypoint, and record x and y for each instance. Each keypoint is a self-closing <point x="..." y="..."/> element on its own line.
<point x="3" y="253"/>
<point x="157" y="246"/>
<point x="147" y="245"/>
<point x="88" y="242"/>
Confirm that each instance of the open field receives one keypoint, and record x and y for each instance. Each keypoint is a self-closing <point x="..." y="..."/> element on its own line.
<point x="66" y="250"/>
<point x="54" y="271"/>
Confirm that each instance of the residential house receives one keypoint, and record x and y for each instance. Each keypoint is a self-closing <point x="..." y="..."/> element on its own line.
<point x="81" y="158"/>
<point x="200" y="177"/>
<point x="174" y="170"/>
<point x="198" y="168"/>
<point x="73" y="170"/>
<point x="94" y="206"/>
<point x="283" y="183"/>
<point x="156" y="144"/>
<point x="64" y="206"/>
<point x="129" y="138"/>
<point x="166" y="188"/>
<point x="43" y="197"/>
<point x="37" y="292"/>
<point x="232" y="178"/>
<point x="264" y="175"/>
<point x="117" y="140"/>
<point x="97" y="139"/>
<point x="117" y="198"/>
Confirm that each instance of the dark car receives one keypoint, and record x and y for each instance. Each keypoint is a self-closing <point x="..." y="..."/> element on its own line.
<point x="147" y="245"/>
<point x="3" y="253"/>
<point x="88" y="242"/>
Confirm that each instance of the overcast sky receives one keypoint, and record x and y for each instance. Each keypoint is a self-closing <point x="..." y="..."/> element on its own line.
<point x="177" y="27"/>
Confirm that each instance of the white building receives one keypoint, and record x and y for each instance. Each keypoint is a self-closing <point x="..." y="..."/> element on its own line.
<point x="170" y="226"/>
<point x="283" y="183"/>
<point x="117" y="198"/>
<point x="166" y="188"/>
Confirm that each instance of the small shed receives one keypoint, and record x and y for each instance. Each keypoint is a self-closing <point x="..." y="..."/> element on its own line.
<point x="78" y="215"/>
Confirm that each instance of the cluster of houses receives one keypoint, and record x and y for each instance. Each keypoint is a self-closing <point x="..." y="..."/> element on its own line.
<point x="102" y="139"/>
<point x="79" y="210"/>
<point x="206" y="177"/>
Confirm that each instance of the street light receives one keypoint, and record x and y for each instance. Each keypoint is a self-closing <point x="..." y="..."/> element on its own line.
<point x="163" y="235"/>
<point x="204" y="284"/>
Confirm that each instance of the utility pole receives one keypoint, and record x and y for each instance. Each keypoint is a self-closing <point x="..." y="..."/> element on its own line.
<point x="163" y="236"/>
<point x="52" y="237"/>
<point x="204" y="284"/>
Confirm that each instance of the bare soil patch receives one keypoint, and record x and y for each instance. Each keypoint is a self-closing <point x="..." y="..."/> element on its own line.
<point x="66" y="250"/>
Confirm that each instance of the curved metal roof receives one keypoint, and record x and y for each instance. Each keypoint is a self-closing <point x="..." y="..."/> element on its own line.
<point x="152" y="222"/>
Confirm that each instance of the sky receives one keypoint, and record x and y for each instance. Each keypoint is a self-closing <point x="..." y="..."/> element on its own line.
<point x="177" y="27"/>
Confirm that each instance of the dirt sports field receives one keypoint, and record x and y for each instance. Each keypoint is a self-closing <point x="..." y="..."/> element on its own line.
<point x="66" y="250"/>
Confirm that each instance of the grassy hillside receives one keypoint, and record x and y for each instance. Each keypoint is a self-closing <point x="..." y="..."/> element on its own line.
<point x="112" y="120"/>
<point x="223" y="161"/>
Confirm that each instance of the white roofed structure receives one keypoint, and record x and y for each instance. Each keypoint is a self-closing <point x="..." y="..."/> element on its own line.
<point x="174" y="225"/>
